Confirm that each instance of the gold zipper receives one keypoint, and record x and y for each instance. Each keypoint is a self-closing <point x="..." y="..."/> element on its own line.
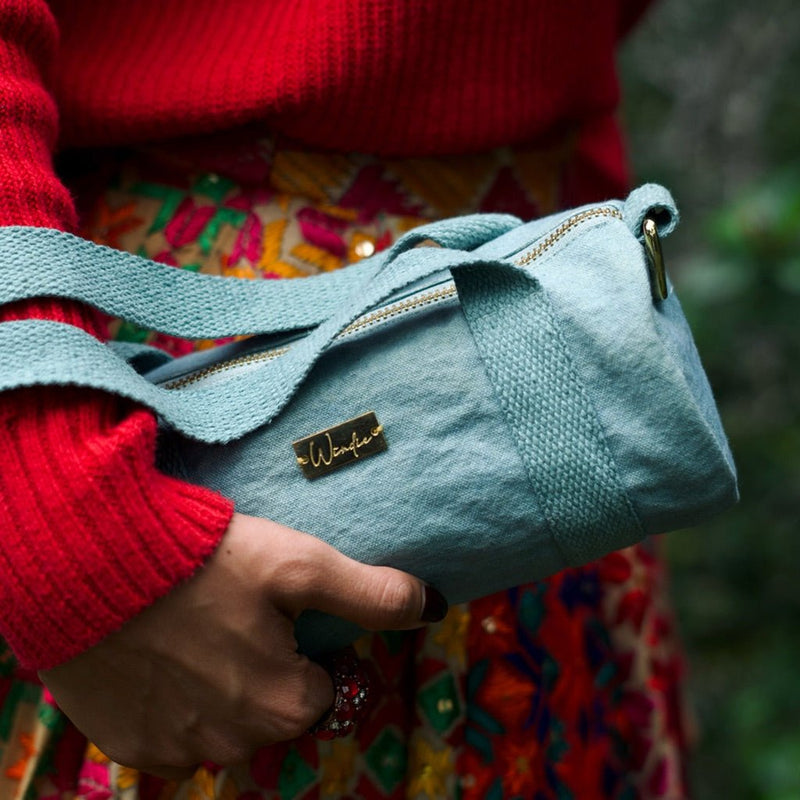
<point x="564" y="228"/>
<point x="402" y="306"/>
<point x="381" y="314"/>
<point x="267" y="355"/>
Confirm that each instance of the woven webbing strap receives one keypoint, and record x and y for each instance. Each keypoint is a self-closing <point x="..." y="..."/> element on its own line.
<point x="38" y="262"/>
<point x="509" y="315"/>
<point x="549" y="412"/>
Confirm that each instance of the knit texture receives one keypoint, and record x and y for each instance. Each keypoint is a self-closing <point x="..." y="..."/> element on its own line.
<point x="372" y="76"/>
<point x="92" y="532"/>
<point x="30" y="194"/>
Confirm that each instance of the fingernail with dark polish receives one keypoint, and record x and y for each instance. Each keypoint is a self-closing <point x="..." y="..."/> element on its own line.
<point x="435" y="607"/>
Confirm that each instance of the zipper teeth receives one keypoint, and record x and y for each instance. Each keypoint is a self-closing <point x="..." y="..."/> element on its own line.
<point x="372" y="318"/>
<point x="399" y="308"/>
<point x="402" y="306"/>
<point x="267" y="355"/>
<point x="564" y="228"/>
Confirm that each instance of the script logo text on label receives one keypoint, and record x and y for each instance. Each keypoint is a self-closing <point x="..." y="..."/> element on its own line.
<point x="346" y="443"/>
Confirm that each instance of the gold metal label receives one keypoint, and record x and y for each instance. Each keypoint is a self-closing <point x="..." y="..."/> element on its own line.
<point x="351" y="441"/>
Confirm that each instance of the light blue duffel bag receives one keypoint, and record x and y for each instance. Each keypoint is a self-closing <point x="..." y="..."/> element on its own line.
<point x="518" y="399"/>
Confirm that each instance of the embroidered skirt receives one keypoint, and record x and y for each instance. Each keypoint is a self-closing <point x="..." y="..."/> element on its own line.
<point x="567" y="688"/>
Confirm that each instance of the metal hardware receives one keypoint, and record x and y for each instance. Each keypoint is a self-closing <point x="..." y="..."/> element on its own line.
<point x="350" y="441"/>
<point x="372" y="318"/>
<point x="655" y="259"/>
<point x="241" y="361"/>
<point x="424" y="298"/>
<point x="564" y="228"/>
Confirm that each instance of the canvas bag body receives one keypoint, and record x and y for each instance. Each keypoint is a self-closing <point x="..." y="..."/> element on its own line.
<point x="540" y="418"/>
<point x="454" y="475"/>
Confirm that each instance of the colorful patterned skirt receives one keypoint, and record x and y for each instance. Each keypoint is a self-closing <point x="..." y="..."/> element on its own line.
<point x="567" y="688"/>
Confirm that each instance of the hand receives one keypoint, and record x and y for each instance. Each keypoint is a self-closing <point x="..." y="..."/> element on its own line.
<point x="210" y="672"/>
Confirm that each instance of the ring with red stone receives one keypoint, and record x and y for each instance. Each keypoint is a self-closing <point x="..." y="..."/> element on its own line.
<point x="351" y="685"/>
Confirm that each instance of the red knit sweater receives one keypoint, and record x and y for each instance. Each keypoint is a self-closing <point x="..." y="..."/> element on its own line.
<point x="91" y="532"/>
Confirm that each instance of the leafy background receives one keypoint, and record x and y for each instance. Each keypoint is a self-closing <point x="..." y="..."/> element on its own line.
<point x="711" y="105"/>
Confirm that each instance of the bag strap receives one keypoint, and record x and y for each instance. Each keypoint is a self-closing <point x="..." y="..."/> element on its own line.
<point x="44" y="352"/>
<point x="39" y="262"/>
<point x="514" y="328"/>
<point x="512" y="322"/>
<point x="42" y="262"/>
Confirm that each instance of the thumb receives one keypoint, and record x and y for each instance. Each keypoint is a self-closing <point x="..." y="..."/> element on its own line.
<point x="375" y="598"/>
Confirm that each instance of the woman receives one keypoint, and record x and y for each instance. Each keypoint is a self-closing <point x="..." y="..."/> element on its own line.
<point x="235" y="126"/>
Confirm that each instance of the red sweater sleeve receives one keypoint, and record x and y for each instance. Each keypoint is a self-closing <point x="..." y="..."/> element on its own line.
<point x="91" y="533"/>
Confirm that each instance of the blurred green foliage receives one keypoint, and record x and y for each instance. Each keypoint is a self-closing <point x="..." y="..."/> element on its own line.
<point x="736" y="582"/>
<point x="713" y="111"/>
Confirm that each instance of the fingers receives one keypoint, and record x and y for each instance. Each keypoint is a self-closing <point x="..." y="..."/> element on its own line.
<point x="297" y="572"/>
<point x="281" y="709"/>
<point x="375" y="598"/>
<point x="308" y="694"/>
<point x="352" y="687"/>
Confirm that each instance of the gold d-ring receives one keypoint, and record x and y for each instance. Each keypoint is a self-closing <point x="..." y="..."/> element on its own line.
<point x="655" y="259"/>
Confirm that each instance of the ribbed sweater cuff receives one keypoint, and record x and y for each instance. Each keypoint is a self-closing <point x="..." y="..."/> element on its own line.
<point x="92" y="532"/>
